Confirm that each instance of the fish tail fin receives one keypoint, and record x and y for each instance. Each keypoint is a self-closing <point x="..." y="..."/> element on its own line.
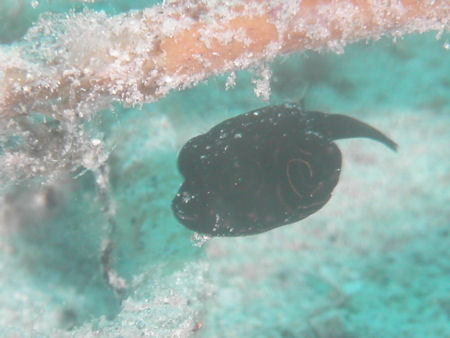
<point x="336" y="126"/>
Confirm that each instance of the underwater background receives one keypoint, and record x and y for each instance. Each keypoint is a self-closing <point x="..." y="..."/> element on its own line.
<point x="374" y="262"/>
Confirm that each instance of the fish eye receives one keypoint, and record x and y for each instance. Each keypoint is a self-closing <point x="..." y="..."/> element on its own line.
<point x="240" y="181"/>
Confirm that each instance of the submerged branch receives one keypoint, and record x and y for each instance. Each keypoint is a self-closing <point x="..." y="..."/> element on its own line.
<point x="76" y="65"/>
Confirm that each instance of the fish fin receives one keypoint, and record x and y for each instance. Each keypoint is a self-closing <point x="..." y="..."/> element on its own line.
<point x="336" y="126"/>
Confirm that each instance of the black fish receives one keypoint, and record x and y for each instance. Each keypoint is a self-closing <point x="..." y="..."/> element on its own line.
<point x="263" y="169"/>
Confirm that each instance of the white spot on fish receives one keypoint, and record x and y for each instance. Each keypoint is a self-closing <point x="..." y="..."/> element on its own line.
<point x="238" y="135"/>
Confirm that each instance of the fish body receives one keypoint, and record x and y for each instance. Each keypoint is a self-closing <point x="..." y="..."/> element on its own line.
<point x="263" y="169"/>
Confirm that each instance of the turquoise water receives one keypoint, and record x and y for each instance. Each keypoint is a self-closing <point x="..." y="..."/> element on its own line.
<point x="374" y="262"/>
